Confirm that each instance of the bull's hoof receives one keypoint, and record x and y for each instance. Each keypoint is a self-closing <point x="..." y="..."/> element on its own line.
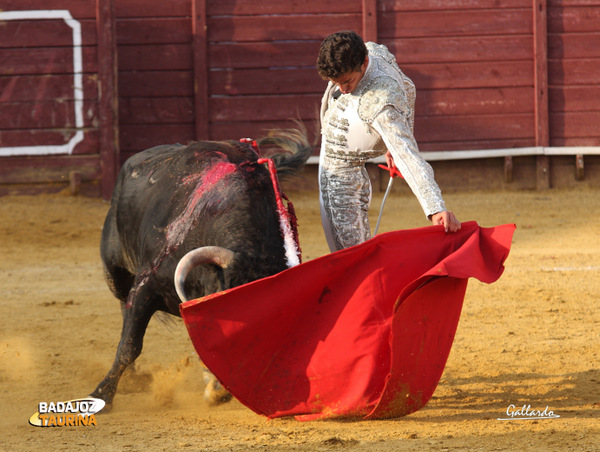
<point x="214" y="393"/>
<point x="108" y="401"/>
<point x="215" y="398"/>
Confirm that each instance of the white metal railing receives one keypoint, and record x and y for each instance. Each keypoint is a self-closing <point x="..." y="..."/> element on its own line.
<point x="490" y="153"/>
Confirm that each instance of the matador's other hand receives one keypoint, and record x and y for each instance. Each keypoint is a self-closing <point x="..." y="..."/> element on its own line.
<point x="447" y="219"/>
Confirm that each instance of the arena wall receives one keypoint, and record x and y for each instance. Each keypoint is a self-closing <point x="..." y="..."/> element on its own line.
<point x="516" y="76"/>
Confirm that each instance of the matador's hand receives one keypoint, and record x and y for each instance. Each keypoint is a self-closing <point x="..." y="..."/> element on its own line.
<point x="447" y="219"/>
<point x="389" y="161"/>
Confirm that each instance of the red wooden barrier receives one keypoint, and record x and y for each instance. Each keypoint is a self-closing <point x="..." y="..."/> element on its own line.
<point x="490" y="74"/>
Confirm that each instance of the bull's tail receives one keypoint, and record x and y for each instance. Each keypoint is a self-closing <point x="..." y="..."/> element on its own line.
<point x="289" y="149"/>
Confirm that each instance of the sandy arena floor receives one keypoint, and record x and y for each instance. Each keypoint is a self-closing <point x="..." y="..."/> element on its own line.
<point x="532" y="338"/>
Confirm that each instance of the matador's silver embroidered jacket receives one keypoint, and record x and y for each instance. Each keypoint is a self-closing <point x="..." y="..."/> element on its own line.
<point x="378" y="115"/>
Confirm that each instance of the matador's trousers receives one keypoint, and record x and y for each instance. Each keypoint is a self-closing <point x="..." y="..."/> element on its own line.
<point x="345" y="196"/>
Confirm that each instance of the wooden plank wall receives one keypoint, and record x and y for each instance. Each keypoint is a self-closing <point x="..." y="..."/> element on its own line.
<point x="262" y="61"/>
<point x="225" y="69"/>
<point x="37" y="96"/>
<point x="259" y="72"/>
<point x="574" y="72"/>
<point x="471" y="61"/>
<point x="156" y="84"/>
<point x="472" y="64"/>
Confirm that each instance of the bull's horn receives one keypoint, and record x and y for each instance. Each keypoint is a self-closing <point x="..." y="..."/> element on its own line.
<point x="204" y="255"/>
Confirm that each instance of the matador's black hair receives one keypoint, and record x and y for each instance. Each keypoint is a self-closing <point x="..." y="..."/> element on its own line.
<point x="340" y="53"/>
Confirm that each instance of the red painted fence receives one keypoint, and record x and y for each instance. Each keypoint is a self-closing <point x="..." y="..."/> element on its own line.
<point x="490" y="74"/>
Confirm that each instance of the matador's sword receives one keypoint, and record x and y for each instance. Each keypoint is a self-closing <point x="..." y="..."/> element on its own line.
<point x="393" y="173"/>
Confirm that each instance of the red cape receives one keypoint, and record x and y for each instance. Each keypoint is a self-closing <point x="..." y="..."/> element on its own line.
<point x="363" y="332"/>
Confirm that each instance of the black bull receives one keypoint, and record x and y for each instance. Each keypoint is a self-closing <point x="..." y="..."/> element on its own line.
<point x="172" y="199"/>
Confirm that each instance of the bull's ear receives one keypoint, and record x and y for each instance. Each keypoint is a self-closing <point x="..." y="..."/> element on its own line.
<point x="205" y="255"/>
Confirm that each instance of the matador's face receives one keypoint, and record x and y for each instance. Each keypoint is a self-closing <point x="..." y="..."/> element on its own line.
<point x="348" y="81"/>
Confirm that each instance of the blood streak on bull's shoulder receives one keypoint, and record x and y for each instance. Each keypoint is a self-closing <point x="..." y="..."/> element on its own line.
<point x="178" y="229"/>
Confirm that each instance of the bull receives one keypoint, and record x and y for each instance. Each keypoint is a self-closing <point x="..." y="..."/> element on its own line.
<point x="210" y="202"/>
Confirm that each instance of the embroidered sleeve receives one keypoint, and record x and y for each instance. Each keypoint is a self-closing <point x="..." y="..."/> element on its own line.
<point x="395" y="130"/>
